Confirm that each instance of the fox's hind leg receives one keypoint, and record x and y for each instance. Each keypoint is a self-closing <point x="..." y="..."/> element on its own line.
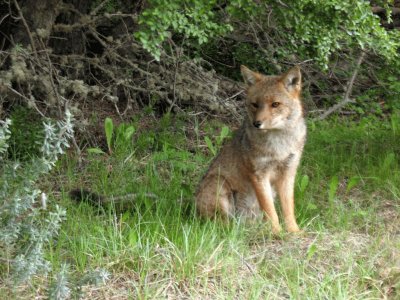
<point x="215" y="197"/>
<point x="246" y="205"/>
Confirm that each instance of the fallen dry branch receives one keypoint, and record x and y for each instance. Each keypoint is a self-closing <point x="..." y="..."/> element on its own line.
<point x="347" y="95"/>
<point x="53" y="71"/>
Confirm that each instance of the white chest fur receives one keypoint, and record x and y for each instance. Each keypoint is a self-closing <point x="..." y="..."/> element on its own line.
<point x="276" y="149"/>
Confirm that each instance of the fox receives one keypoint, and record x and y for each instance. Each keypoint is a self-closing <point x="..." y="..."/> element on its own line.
<point x="262" y="157"/>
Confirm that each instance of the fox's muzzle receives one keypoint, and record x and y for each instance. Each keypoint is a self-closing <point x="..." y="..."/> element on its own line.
<point x="257" y="124"/>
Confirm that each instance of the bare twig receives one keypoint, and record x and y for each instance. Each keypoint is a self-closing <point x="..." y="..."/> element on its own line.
<point x="121" y="65"/>
<point x="347" y="94"/>
<point x="28" y="31"/>
<point x="114" y="54"/>
<point x="78" y="150"/>
<point x="4" y="17"/>
<point x="29" y="101"/>
<point x="234" y="95"/>
<point x="176" y="67"/>
<point x="377" y="10"/>
<point x="100" y="6"/>
<point x="53" y="86"/>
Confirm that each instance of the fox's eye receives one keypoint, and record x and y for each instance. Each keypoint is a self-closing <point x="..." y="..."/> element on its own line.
<point x="254" y="104"/>
<point x="275" y="104"/>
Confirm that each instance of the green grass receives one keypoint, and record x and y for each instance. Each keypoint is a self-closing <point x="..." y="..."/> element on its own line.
<point x="348" y="203"/>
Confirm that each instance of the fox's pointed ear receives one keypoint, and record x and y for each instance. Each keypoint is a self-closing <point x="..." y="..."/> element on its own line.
<point x="292" y="79"/>
<point x="249" y="76"/>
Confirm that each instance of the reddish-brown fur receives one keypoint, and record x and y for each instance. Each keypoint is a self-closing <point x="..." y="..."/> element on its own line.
<point x="264" y="154"/>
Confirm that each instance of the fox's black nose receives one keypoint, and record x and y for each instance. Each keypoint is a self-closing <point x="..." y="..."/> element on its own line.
<point x="257" y="124"/>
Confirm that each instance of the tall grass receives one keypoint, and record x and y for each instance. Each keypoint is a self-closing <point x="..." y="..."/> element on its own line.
<point x="347" y="192"/>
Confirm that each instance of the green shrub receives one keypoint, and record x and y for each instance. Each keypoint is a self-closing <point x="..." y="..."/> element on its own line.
<point x="26" y="224"/>
<point x="311" y="29"/>
<point x="26" y="133"/>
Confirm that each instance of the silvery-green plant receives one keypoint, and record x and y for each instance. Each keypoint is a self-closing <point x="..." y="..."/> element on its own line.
<point x="26" y="226"/>
<point x="60" y="289"/>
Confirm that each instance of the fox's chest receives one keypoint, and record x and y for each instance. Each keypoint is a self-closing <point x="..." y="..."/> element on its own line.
<point x="272" y="164"/>
<point x="275" y="155"/>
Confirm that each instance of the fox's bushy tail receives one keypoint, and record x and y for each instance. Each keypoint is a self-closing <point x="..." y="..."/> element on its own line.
<point x="82" y="195"/>
<point x="87" y="196"/>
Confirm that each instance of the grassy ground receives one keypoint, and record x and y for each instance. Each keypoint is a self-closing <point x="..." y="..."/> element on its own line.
<point x="348" y="203"/>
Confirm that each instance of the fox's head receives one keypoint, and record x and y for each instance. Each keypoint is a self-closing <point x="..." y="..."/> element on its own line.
<point x="273" y="102"/>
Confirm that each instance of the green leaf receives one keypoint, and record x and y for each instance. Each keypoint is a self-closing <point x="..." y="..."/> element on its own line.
<point x="389" y="160"/>
<point x="311" y="251"/>
<point x="129" y="131"/>
<point x="353" y="181"/>
<point x="333" y="186"/>
<point x="394" y="122"/>
<point x="304" y="183"/>
<point x="95" y="151"/>
<point x="311" y="206"/>
<point x="109" y="129"/>
<point x="133" y="238"/>
<point x="224" y="132"/>
<point x="210" y="145"/>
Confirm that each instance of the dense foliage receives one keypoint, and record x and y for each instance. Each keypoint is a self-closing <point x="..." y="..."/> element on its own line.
<point x="309" y="28"/>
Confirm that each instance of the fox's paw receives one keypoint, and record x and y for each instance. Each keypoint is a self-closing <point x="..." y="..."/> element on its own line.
<point x="277" y="229"/>
<point x="294" y="229"/>
<point x="298" y="232"/>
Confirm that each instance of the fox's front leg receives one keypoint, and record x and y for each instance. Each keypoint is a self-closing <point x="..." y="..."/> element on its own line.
<point x="285" y="187"/>
<point x="265" y="198"/>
